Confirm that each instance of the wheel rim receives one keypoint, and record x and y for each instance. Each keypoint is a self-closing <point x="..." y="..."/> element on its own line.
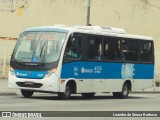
<point x="67" y="91"/>
<point x="125" y="90"/>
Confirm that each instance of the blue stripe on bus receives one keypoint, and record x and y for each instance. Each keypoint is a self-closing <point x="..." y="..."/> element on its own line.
<point x="107" y="70"/>
<point x="30" y="74"/>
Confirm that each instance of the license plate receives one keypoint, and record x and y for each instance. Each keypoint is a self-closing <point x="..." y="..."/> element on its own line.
<point x="28" y="83"/>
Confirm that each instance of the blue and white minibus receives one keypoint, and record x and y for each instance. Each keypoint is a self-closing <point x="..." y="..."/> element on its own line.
<point x="81" y="60"/>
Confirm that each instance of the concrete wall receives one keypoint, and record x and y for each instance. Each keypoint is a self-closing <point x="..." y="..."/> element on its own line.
<point x="135" y="16"/>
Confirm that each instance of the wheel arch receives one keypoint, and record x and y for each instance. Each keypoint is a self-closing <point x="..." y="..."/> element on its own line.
<point x="129" y="84"/>
<point x="73" y="85"/>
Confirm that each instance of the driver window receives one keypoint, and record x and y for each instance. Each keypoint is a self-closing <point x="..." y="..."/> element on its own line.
<point x="73" y="49"/>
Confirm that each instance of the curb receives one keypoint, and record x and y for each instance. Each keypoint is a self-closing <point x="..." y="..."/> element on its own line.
<point x="145" y="92"/>
<point x="3" y="78"/>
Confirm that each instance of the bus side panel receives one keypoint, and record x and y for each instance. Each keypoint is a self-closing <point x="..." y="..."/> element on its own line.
<point x="99" y="85"/>
<point x="91" y="70"/>
<point x="108" y="76"/>
<point x="144" y="75"/>
<point x="144" y="71"/>
<point x="148" y="83"/>
<point x="141" y="84"/>
<point x="114" y="85"/>
<point x="137" y="84"/>
<point x="93" y="76"/>
<point x="84" y="85"/>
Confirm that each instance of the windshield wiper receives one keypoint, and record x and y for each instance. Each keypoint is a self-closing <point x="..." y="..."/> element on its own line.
<point x="42" y="49"/>
<point x="36" y="47"/>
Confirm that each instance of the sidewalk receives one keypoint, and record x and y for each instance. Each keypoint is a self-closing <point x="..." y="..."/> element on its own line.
<point x="4" y="90"/>
<point x="149" y="90"/>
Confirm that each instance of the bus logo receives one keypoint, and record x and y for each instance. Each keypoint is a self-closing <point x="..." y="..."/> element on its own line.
<point x="84" y="70"/>
<point x="21" y="74"/>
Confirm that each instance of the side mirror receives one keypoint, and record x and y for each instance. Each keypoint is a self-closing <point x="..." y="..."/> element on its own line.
<point x="73" y="36"/>
<point x="73" y="39"/>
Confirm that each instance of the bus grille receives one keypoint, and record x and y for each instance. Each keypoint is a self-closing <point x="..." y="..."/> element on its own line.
<point x="34" y="85"/>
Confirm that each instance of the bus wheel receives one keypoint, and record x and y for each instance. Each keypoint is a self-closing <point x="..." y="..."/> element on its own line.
<point x="88" y="95"/>
<point x="124" y="93"/>
<point x="26" y="93"/>
<point x="66" y="94"/>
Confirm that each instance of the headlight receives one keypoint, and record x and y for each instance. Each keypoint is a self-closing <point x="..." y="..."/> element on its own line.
<point x="12" y="71"/>
<point x="50" y="72"/>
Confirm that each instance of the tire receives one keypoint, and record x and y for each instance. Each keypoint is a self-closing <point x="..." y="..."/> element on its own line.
<point x="88" y="95"/>
<point x="124" y="93"/>
<point x="66" y="94"/>
<point x="26" y="93"/>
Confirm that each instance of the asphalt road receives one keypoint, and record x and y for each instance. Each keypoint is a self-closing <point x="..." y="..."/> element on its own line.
<point x="50" y="102"/>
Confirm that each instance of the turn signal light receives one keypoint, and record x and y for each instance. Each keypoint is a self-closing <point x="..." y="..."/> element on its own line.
<point x="50" y="72"/>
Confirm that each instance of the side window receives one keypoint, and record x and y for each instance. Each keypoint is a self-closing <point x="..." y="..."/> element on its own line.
<point x="112" y="49"/>
<point x="146" y="51"/>
<point x="130" y="50"/>
<point x="94" y="48"/>
<point x="73" y="49"/>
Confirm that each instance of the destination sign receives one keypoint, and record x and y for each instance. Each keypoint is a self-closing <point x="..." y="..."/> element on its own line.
<point x="42" y="36"/>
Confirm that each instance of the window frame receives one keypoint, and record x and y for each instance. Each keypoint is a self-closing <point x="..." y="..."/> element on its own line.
<point x="130" y="39"/>
<point x="152" y="52"/>
<point x="66" y="60"/>
<point x="100" y="38"/>
<point x="85" y="46"/>
<point x="115" y="39"/>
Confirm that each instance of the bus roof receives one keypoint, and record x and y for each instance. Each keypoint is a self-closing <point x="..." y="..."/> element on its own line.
<point x="97" y="30"/>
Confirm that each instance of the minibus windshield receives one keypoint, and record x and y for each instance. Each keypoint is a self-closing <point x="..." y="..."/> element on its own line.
<point x="39" y="47"/>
